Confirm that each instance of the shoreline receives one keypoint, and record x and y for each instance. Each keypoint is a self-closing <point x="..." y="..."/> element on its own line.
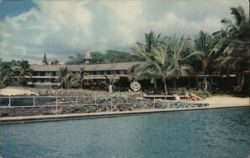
<point x="74" y="116"/>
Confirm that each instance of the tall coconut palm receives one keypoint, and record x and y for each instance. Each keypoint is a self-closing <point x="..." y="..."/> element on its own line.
<point x="146" y="71"/>
<point x="235" y="44"/>
<point x="205" y="43"/>
<point x="166" y="61"/>
<point x="151" y="40"/>
<point x="179" y="54"/>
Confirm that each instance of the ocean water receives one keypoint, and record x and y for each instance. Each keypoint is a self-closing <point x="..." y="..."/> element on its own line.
<point x="220" y="133"/>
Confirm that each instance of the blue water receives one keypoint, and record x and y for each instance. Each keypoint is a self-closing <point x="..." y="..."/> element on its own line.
<point x="223" y="133"/>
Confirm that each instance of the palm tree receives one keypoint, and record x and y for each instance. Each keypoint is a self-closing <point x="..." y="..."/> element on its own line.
<point x="146" y="71"/>
<point x="204" y="44"/>
<point x="82" y="76"/>
<point x="235" y="44"/>
<point x="66" y="78"/>
<point x="70" y="80"/>
<point x="6" y="72"/>
<point x="22" y="70"/>
<point x="179" y="55"/>
<point x="165" y="61"/>
<point x="110" y="80"/>
<point x="151" y="40"/>
<point x="63" y="71"/>
<point x="162" y="65"/>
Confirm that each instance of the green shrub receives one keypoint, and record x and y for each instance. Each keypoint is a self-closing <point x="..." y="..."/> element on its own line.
<point x="202" y="93"/>
<point x="153" y="91"/>
<point x="179" y="91"/>
<point x="2" y="85"/>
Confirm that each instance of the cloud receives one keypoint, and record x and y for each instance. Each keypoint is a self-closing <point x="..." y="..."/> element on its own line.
<point x="64" y="28"/>
<point x="58" y="28"/>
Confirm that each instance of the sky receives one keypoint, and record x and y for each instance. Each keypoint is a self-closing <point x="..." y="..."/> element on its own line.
<point x="63" y="28"/>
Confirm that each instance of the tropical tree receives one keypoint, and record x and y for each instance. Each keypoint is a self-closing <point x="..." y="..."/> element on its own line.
<point x="70" y="80"/>
<point x="110" y="80"/>
<point x="67" y="78"/>
<point x="54" y="62"/>
<point x="114" y="56"/>
<point x="204" y="45"/>
<point x="179" y="53"/>
<point x="63" y="71"/>
<point x="77" y="59"/>
<point x="82" y="76"/>
<point x="22" y="70"/>
<point x="146" y="70"/>
<point x="165" y="61"/>
<point x="151" y="40"/>
<point x="235" y="45"/>
<point x="6" y="73"/>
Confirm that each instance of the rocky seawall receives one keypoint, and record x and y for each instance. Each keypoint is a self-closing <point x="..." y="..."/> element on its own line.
<point x="91" y="102"/>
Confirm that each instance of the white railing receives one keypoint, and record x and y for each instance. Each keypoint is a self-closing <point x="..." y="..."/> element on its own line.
<point x="94" y="103"/>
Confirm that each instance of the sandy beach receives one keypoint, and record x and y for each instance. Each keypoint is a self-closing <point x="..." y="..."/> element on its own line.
<point x="13" y="91"/>
<point x="226" y="101"/>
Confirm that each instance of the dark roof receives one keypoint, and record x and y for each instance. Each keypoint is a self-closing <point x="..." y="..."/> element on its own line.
<point x="94" y="67"/>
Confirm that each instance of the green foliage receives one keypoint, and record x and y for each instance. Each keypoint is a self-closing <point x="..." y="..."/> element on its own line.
<point x="113" y="56"/>
<point x="202" y="93"/>
<point x="153" y="90"/>
<point x="206" y="61"/>
<point x="98" y="57"/>
<point x="234" y="44"/>
<point x="110" y="56"/>
<point x="54" y="62"/>
<point x="18" y="69"/>
<point x="75" y="60"/>
<point x="2" y="85"/>
<point x="22" y="71"/>
<point x="67" y="79"/>
<point x="179" y="91"/>
<point x="184" y="91"/>
<point x="166" y="60"/>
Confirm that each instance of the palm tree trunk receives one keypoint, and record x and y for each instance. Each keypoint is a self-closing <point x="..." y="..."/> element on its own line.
<point x="175" y="84"/>
<point x="197" y="82"/>
<point x="211" y="81"/>
<point x="242" y="82"/>
<point x="188" y="82"/>
<point x="205" y="82"/>
<point x="165" y="86"/>
<point x="249" y="11"/>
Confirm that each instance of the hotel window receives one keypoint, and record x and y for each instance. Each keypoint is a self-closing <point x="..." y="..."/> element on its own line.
<point x="42" y="73"/>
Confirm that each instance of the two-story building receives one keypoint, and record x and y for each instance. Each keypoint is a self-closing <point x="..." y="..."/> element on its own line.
<point x="46" y="75"/>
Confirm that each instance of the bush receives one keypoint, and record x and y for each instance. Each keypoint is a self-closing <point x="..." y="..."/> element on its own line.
<point x="202" y="93"/>
<point x="2" y="85"/>
<point x="179" y="91"/>
<point x="153" y="91"/>
<point x="183" y="91"/>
